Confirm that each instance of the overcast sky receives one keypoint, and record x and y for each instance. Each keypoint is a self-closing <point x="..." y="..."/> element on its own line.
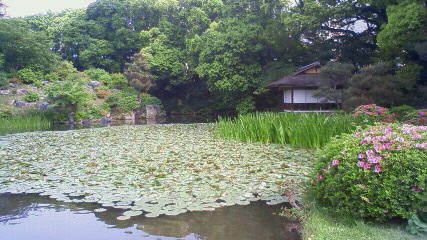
<point x="21" y="8"/>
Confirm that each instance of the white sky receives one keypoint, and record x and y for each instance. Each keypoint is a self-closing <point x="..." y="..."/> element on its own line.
<point x="21" y="8"/>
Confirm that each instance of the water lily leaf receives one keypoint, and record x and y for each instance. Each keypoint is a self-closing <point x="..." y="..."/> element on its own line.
<point x="123" y="218"/>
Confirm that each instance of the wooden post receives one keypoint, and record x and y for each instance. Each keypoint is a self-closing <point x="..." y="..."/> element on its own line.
<point x="292" y="99"/>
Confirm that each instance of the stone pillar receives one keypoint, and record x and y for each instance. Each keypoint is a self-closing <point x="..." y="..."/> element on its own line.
<point x="151" y="111"/>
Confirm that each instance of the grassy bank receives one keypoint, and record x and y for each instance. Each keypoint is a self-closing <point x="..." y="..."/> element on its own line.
<point x="306" y="130"/>
<point x="24" y="123"/>
<point x="323" y="225"/>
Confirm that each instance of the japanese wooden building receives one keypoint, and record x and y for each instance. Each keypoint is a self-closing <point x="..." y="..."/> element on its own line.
<point x="298" y="89"/>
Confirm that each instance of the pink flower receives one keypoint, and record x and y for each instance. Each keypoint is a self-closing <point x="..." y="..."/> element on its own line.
<point x="362" y="186"/>
<point x="312" y="181"/>
<point x="421" y="145"/>
<point x="318" y="176"/>
<point x="416" y="189"/>
<point x="362" y="164"/>
<point x="369" y="153"/>
<point x="357" y="134"/>
<point x="379" y="148"/>
<point x="387" y="145"/>
<point x="335" y="162"/>
<point x="374" y="159"/>
<point x="415" y="137"/>
<point x="377" y="168"/>
<point x="324" y="170"/>
<point x="360" y="156"/>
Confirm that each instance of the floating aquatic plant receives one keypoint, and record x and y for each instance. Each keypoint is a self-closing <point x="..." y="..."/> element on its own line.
<point x="151" y="170"/>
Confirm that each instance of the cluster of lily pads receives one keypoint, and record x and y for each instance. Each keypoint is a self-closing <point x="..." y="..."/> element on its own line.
<point x="151" y="170"/>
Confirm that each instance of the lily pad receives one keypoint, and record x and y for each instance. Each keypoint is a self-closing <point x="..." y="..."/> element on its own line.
<point x="123" y="218"/>
<point x="159" y="169"/>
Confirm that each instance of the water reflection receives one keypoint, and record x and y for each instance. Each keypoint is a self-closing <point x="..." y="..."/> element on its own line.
<point x="34" y="217"/>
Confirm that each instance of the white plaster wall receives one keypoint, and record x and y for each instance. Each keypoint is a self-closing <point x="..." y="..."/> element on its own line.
<point x="305" y="96"/>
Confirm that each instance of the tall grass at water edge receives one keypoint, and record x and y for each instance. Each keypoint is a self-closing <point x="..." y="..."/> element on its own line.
<point x="305" y="130"/>
<point x="24" y="123"/>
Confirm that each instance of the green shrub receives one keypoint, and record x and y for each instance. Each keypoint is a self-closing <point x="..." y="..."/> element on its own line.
<point x="118" y="81"/>
<point x="124" y="100"/>
<point x="93" y="111"/>
<point x="27" y="75"/>
<point x="401" y="111"/>
<point x="4" y="80"/>
<point x="6" y="112"/>
<point x="31" y="97"/>
<point x="51" y="77"/>
<point x="247" y="105"/>
<point x="38" y="84"/>
<point x="147" y="99"/>
<point x="100" y="75"/>
<point x="101" y="93"/>
<point x="376" y="173"/>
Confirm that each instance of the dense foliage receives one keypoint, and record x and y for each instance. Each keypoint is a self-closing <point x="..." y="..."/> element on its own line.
<point x="215" y="56"/>
<point x="379" y="172"/>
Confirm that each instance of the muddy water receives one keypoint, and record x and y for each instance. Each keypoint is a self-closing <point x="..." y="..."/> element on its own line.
<point x="38" y="218"/>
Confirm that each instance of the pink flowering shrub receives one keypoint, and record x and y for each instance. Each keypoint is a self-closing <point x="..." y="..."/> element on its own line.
<point x="372" y="113"/>
<point x="379" y="172"/>
<point x="418" y="117"/>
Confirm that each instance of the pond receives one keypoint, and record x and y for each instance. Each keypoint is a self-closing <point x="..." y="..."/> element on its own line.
<point x="181" y="182"/>
<point x="29" y="216"/>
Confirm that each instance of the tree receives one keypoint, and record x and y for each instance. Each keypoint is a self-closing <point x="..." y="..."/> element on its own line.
<point x="70" y="95"/>
<point x="333" y="75"/>
<point x="21" y="47"/>
<point x="137" y="74"/>
<point x="343" y="30"/>
<point x="374" y="84"/>
<point x="405" y="28"/>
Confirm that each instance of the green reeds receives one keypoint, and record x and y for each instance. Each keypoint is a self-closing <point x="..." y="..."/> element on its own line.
<point x="24" y="123"/>
<point x="305" y="130"/>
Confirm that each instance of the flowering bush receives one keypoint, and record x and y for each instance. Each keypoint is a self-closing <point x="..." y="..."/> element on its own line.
<point x="376" y="173"/>
<point x="418" y="117"/>
<point x="372" y="113"/>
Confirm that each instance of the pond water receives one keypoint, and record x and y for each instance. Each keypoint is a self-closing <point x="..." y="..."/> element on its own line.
<point x="39" y="218"/>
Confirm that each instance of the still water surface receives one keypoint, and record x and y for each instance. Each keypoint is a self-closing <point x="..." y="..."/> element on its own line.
<point x="39" y="218"/>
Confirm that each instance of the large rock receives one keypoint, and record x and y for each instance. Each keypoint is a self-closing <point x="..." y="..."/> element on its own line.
<point x="105" y="120"/>
<point x="19" y="103"/>
<point x="13" y="85"/>
<point x="21" y="91"/>
<point x="129" y="116"/>
<point x="43" y="105"/>
<point x="31" y="105"/>
<point x="94" y="84"/>
<point x="86" y="122"/>
<point x="151" y="111"/>
<point x="4" y="92"/>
